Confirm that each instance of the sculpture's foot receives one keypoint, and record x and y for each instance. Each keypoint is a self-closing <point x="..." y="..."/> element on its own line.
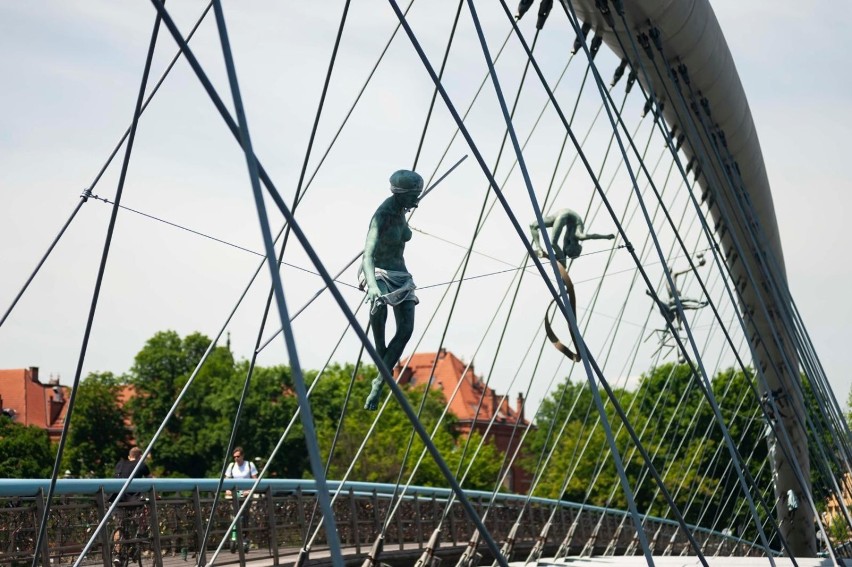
<point x="372" y="403"/>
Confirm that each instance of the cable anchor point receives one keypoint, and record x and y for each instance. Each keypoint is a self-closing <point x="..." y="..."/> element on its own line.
<point x="375" y="551"/>
<point x="619" y="72"/>
<point x="578" y="41"/>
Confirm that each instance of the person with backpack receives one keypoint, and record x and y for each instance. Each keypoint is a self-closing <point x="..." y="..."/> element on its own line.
<point x="237" y="469"/>
<point x="240" y="468"/>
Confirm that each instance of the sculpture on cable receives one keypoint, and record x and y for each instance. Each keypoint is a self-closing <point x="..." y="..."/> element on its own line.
<point x="669" y="310"/>
<point x="385" y="276"/>
<point x="571" y="223"/>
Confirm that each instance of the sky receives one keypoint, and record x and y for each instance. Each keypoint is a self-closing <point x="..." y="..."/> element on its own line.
<point x="71" y="74"/>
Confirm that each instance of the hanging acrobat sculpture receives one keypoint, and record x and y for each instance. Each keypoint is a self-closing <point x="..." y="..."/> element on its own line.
<point x="574" y="232"/>
<point x="669" y="309"/>
<point x="385" y="276"/>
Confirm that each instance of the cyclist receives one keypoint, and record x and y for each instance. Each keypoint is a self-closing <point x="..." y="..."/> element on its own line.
<point x="133" y="504"/>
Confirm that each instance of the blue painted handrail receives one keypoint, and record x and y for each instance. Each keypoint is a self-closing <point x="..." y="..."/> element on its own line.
<point x="31" y="487"/>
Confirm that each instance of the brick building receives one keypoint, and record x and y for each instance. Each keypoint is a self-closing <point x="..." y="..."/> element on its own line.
<point x="450" y="373"/>
<point x="29" y="402"/>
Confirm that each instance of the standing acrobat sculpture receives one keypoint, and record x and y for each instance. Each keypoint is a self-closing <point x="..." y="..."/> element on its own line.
<point x="385" y="276"/>
<point x="668" y="309"/>
<point x="572" y="224"/>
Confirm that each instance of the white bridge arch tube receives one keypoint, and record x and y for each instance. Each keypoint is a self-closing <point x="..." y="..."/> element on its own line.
<point x="691" y="35"/>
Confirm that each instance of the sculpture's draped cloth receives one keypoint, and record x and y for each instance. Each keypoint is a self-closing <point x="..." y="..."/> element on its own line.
<point x="400" y="287"/>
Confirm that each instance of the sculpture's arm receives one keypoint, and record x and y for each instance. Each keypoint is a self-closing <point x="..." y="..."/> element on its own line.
<point x="580" y="235"/>
<point x="369" y="266"/>
<point x="536" y="243"/>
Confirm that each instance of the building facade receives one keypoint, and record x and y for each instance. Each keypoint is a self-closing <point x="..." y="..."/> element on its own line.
<point x="26" y="400"/>
<point x="474" y="404"/>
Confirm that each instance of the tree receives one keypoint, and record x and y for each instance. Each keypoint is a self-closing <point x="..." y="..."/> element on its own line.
<point x="384" y="451"/>
<point x="269" y="406"/>
<point x="25" y="451"/>
<point x="99" y="436"/>
<point x="677" y="427"/>
<point x="195" y="437"/>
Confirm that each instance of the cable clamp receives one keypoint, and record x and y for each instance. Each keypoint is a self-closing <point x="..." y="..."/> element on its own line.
<point x="705" y="104"/>
<point x="87" y="192"/>
<point x="656" y="37"/>
<point x="578" y="41"/>
<point x="603" y="7"/>
<point x="97" y="197"/>
<point x="684" y="73"/>
<point x="675" y="78"/>
<point x="595" y="46"/>
<point x="619" y="72"/>
<point x="523" y="6"/>
<point x="631" y="80"/>
<point x="645" y="43"/>
<point x="543" y="11"/>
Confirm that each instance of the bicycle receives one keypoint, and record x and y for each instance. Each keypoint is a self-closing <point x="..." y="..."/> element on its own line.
<point x="127" y="548"/>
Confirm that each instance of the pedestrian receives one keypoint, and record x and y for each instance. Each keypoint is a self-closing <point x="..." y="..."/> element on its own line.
<point x="239" y="468"/>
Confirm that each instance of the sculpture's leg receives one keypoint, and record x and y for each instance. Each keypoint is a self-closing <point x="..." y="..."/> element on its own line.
<point x="404" y="316"/>
<point x="378" y="321"/>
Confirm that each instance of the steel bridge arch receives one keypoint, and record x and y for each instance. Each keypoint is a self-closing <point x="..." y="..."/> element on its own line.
<point x="690" y="35"/>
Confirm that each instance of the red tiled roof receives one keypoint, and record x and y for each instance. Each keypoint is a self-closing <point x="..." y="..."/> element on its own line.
<point x="449" y="371"/>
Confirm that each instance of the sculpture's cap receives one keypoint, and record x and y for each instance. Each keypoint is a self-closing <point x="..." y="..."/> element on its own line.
<point x="405" y="181"/>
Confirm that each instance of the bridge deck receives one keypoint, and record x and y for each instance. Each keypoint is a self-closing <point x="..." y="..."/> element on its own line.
<point x="685" y="561"/>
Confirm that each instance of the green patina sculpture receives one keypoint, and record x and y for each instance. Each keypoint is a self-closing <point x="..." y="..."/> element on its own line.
<point x="570" y="222"/>
<point x="385" y="276"/>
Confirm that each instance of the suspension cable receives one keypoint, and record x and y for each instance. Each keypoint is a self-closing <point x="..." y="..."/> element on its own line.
<point x="42" y="531"/>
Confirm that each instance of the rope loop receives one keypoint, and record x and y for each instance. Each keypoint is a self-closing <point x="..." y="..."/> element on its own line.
<point x="558" y="344"/>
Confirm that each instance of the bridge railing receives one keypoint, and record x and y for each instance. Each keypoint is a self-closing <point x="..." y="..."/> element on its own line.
<point x="172" y="520"/>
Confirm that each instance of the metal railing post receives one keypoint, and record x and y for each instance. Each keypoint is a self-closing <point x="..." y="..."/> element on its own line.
<point x="273" y="531"/>
<point x="418" y="524"/>
<point x="400" y="534"/>
<point x="100" y="504"/>
<point x="199" y="527"/>
<point x="154" y="527"/>
<point x="300" y="516"/>
<point x="376" y="522"/>
<point x="40" y="508"/>
<point x="452" y="518"/>
<point x="353" y="512"/>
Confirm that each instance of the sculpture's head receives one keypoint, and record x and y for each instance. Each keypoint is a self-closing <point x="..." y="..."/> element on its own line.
<point x="574" y="249"/>
<point x="407" y="186"/>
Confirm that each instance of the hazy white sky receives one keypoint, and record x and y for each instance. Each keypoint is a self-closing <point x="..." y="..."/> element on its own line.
<point x="71" y="72"/>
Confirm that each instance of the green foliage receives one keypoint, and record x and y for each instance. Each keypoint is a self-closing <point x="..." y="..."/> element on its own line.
<point x="386" y="448"/>
<point x="849" y="409"/>
<point x="193" y="438"/>
<point x="677" y="427"/>
<point x="98" y="437"/>
<point x="269" y="406"/>
<point x="838" y="530"/>
<point x="25" y="451"/>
